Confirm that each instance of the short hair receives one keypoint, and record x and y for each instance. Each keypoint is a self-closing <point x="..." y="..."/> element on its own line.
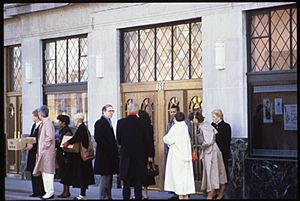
<point x="145" y="116"/>
<point x="43" y="111"/>
<point x="175" y="106"/>
<point x="35" y="113"/>
<point x="218" y="113"/>
<point x="104" y="108"/>
<point x="64" y="118"/>
<point x="78" y="116"/>
<point x="179" y="116"/>
<point x="133" y="107"/>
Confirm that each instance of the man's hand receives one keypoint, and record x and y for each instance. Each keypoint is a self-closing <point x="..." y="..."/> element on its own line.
<point x="150" y="160"/>
<point x="65" y="145"/>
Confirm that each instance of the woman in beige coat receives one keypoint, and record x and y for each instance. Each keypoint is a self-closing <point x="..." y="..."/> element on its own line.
<point x="214" y="172"/>
<point x="45" y="160"/>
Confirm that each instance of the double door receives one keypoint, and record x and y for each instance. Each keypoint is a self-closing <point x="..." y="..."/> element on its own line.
<point x="13" y="129"/>
<point x="157" y="99"/>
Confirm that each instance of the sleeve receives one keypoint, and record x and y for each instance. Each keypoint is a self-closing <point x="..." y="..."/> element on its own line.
<point x="118" y="133"/>
<point x="97" y="129"/>
<point x="77" y="137"/>
<point x="151" y="135"/>
<point x="208" y="135"/>
<point x="169" y="139"/>
<point x="190" y="127"/>
<point x="50" y="135"/>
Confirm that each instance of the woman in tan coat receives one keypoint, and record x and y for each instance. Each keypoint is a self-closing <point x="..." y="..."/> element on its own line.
<point x="214" y="172"/>
<point x="45" y="160"/>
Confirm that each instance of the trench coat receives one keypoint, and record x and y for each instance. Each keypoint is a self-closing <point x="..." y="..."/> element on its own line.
<point x="107" y="156"/>
<point x="214" y="172"/>
<point x="135" y="146"/>
<point x="179" y="176"/>
<point x="45" y="160"/>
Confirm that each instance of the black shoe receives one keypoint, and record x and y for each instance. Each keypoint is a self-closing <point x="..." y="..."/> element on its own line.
<point x="52" y="196"/>
<point x="34" y="195"/>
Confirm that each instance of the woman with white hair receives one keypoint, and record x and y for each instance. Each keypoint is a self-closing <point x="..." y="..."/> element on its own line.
<point x="82" y="171"/>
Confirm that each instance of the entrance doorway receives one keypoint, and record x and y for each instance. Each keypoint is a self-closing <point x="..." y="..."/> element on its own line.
<point x="14" y="128"/>
<point x="157" y="98"/>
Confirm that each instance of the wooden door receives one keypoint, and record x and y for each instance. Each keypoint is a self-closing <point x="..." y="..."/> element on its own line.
<point x="14" y="127"/>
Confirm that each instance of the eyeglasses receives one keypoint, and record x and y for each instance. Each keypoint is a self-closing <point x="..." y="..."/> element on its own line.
<point x="110" y="111"/>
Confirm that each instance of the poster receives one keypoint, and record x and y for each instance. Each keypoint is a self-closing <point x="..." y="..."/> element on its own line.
<point x="290" y="117"/>
<point x="267" y="111"/>
<point x="278" y="106"/>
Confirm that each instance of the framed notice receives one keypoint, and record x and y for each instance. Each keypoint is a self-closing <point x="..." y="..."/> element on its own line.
<point x="267" y="111"/>
<point x="290" y="117"/>
<point x="278" y="106"/>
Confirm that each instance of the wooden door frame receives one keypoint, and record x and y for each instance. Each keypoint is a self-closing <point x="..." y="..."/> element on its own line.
<point x="161" y="88"/>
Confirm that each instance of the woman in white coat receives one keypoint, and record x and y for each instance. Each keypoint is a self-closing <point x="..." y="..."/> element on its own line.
<point x="179" y="167"/>
<point x="214" y="173"/>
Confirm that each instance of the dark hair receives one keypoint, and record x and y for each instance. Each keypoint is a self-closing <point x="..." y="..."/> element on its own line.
<point x="104" y="108"/>
<point x="145" y="116"/>
<point x="179" y="116"/>
<point x="199" y="117"/>
<point x="64" y="118"/>
<point x="175" y="106"/>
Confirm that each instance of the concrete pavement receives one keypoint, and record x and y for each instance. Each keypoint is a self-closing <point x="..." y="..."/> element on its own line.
<point x="18" y="189"/>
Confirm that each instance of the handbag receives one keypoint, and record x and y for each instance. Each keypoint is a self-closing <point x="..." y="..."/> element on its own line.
<point x="153" y="170"/>
<point x="87" y="154"/>
<point x="194" y="155"/>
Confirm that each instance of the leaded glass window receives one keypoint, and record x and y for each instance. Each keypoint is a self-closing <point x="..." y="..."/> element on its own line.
<point x="273" y="39"/>
<point x="65" y="60"/>
<point x="162" y="52"/>
<point x="15" y="68"/>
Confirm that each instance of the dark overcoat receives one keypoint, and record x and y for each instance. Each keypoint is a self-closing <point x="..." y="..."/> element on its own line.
<point x="82" y="171"/>
<point x="32" y="152"/>
<point x="134" y="144"/>
<point x="107" y="156"/>
<point x="223" y="139"/>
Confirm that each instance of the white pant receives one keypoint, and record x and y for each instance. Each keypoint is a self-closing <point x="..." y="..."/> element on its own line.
<point x="48" y="180"/>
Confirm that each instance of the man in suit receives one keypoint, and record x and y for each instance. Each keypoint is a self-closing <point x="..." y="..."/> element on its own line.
<point x="36" y="181"/>
<point x="106" y="159"/>
<point x="134" y="144"/>
<point x="45" y="162"/>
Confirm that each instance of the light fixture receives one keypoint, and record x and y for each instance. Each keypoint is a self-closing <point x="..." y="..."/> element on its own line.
<point x="99" y="66"/>
<point x="28" y="72"/>
<point x="220" y="55"/>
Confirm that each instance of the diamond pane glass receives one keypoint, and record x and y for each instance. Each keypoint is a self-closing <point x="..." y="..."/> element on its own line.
<point x="259" y="25"/>
<point x="16" y="69"/>
<point x="83" y="46"/>
<point x="260" y="54"/>
<point x="196" y="50"/>
<point x="83" y="69"/>
<point x="50" y="51"/>
<point x="73" y="54"/>
<point x="61" y="58"/>
<point x="294" y="37"/>
<point x="280" y="42"/>
<point x="164" y="53"/>
<point x="131" y="56"/>
<point x="181" y="52"/>
<point x="50" y="72"/>
<point x="147" y="55"/>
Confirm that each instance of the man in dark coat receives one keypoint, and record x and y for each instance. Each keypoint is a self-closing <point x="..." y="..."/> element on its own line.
<point x="37" y="181"/>
<point x="134" y="144"/>
<point x="106" y="159"/>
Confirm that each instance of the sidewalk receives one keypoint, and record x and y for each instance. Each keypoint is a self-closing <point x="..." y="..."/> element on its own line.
<point x="18" y="189"/>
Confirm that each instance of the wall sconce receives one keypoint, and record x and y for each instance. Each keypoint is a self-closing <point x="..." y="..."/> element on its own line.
<point x="28" y="72"/>
<point x="99" y="66"/>
<point x="220" y="55"/>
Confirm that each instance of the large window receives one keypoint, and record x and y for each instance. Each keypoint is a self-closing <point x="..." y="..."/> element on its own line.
<point x="65" y="76"/>
<point x="272" y="81"/>
<point x="162" y="52"/>
<point x="14" y="80"/>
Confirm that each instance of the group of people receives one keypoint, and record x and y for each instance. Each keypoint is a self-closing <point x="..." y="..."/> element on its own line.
<point x="130" y="154"/>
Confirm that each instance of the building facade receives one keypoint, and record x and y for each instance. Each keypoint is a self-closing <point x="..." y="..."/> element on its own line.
<point x="239" y="57"/>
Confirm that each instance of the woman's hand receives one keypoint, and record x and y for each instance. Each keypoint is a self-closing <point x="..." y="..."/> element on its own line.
<point x="65" y="145"/>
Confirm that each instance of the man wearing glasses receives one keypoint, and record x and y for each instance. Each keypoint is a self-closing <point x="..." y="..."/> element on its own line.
<point x="106" y="159"/>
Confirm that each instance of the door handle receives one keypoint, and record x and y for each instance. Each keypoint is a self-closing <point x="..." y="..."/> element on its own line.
<point x="19" y="136"/>
<point x="15" y="134"/>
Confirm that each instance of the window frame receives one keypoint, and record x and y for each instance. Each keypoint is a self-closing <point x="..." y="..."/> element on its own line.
<point x="155" y="26"/>
<point x="264" y="78"/>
